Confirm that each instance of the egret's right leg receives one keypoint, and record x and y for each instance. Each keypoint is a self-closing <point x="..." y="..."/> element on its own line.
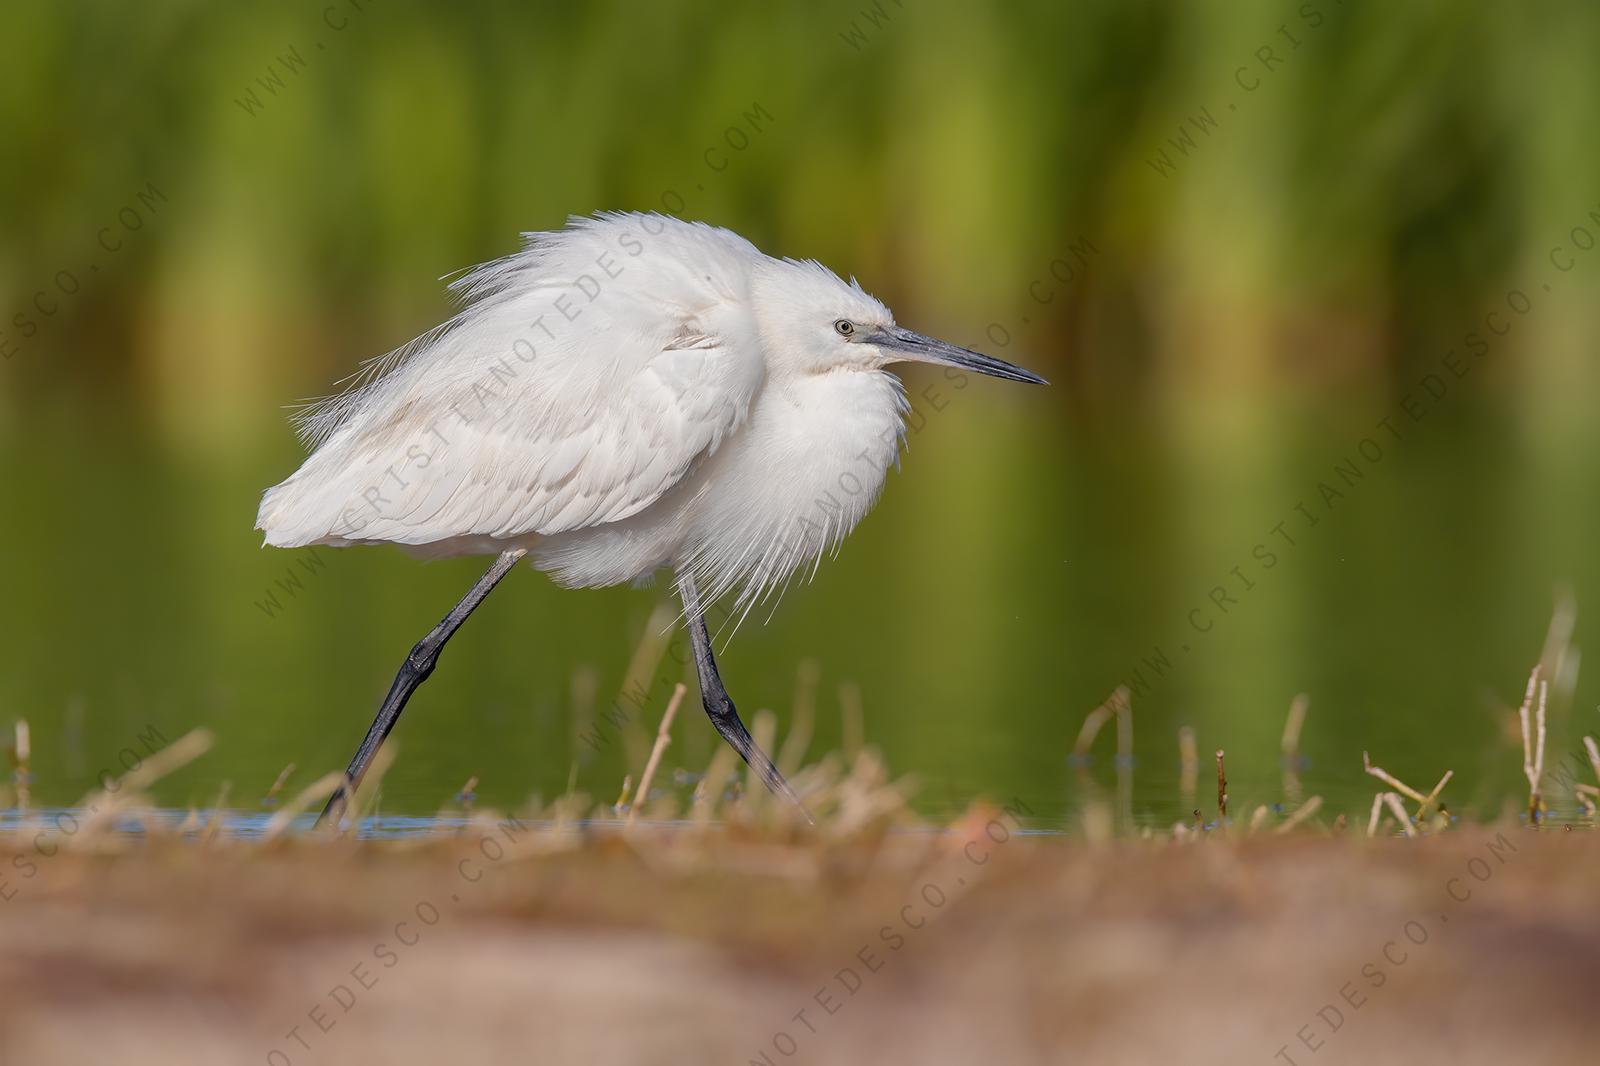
<point x="719" y="705"/>
<point x="413" y="672"/>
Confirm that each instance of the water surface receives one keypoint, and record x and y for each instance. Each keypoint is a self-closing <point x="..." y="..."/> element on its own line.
<point x="1019" y="568"/>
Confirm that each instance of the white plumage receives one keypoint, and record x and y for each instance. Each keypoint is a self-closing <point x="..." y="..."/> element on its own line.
<point x="630" y="393"/>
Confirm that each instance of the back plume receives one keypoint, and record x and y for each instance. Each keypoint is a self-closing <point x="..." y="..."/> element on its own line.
<point x="583" y="377"/>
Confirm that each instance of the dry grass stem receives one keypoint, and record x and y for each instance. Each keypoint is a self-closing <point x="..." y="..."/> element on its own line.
<point x="23" y="754"/>
<point x="709" y="792"/>
<point x="1292" y="726"/>
<point x="864" y="797"/>
<point x="803" y="719"/>
<point x="1291" y="745"/>
<point x="1377" y="809"/>
<point x="1392" y="781"/>
<point x="1099" y="826"/>
<point x="213" y="824"/>
<point x="1188" y="763"/>
<point x="1533" y="739"/>
<point x="370" y="792"/>
<point x="764" y="731"/>
<point x="1222" y="789"/>
<point x="1124" y="764"/>
<point x="642" y="667"/>
<point x="1558" y="638"/>
<point x="1399" y="812"/>
<point x="1096" y="719"/>
<point x="277" y="786"/>
<point x="467" y="793"/>
<point x="103" y="804"/>
<point x="316" y="792"/>
<point x="663" y="738"/>
<point x="1427" y="803"/>
<point x="1301" y="813"/>
<point x="179" y="753"/>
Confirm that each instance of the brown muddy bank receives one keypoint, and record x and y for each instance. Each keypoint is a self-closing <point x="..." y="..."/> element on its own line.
<point x="1476" y="946"/>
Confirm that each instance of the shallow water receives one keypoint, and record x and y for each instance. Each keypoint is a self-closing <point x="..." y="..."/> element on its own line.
<point x="1016" y="571"/>
<point x="63" y="823"/>
<point x="52" y="824"/>
<point x="51" y="828"/>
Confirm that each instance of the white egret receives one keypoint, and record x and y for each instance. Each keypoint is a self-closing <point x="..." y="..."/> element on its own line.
<point x="629" y="394"/>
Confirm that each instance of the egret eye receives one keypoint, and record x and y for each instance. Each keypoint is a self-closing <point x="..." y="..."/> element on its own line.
<point x="845" y="327"/>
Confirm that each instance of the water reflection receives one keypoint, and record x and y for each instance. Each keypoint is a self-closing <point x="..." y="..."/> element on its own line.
<point x="1014" y="572"/>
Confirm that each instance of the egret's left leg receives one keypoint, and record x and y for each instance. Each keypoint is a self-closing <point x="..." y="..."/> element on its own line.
<point x="719" y="705"/>
<point x="413" y="672"/>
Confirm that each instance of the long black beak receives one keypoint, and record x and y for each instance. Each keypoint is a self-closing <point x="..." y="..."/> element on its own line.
<point x="917" y="348"/>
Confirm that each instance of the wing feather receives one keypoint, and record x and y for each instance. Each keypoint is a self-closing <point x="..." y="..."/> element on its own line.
<point x="590" y="373"/>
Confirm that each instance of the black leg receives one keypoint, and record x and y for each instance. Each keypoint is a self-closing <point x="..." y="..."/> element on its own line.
<point x="719" y="705"/>
<point x="413" y="672"/>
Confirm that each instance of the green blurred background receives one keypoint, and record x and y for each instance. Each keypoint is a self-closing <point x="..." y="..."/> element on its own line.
<point x="1252" y="244"/>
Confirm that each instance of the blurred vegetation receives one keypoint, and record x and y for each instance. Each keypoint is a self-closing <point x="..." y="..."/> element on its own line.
<point x="1235" y="235"/>
<point x="1390" y="173"/>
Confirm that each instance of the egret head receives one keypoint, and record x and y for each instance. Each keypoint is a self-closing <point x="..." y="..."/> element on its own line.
<point x="816" y="322"/>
